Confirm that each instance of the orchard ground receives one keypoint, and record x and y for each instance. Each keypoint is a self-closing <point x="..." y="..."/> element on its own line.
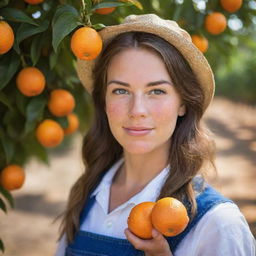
<point x="29" y="230"/>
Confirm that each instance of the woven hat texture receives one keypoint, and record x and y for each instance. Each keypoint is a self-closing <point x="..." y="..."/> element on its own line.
<point x="166" y="29"/>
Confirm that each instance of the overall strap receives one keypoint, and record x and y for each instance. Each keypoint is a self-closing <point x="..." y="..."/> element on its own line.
<point x="206" y="200"/>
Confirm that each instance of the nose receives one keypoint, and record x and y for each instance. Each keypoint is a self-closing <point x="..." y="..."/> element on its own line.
<point x="138" y="106"/>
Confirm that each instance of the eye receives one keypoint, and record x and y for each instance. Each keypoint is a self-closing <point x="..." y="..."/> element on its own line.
<point x="157" y="92"/>
<point x="120" y="91"/>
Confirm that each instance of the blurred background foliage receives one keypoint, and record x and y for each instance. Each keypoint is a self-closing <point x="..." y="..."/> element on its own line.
<point x="42" y="38"/>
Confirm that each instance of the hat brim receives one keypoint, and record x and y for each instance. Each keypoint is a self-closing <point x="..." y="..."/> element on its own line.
<point x="177" y="37"/>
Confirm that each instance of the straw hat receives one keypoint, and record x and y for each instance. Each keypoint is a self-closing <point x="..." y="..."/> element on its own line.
<point x="168" y="30"/>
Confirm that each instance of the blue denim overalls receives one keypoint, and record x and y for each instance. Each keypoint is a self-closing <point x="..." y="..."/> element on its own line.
<point x="91" y="244"/>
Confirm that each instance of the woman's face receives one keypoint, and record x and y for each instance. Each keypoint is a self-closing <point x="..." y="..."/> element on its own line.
<point x="142" y="104"/>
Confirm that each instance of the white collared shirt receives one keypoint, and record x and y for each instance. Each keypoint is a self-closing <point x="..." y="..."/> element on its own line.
<point x="110" y="222"/>
<point x="222" y="231"/>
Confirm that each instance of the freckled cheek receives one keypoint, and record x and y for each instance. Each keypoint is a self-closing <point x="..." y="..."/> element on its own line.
<point x="164" y="114"/>
<point x="114" y="111"/>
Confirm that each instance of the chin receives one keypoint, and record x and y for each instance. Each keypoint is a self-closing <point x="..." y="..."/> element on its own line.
<point x="138" y="148"/>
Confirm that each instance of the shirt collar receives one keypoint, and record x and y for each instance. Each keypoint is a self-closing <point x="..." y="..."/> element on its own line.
<point x="107" y="178"/>
<point x="152" y="190"/>
<point x="155" y="184"/>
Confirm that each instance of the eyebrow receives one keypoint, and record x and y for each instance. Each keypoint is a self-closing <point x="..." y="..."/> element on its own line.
<point x="149" y="84"/>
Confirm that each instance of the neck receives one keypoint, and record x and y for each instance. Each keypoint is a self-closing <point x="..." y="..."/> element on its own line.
<point x="139" y="169"/>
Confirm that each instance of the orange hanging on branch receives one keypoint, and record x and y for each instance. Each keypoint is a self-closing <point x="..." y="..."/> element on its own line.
<point x="86" y="43"/>
<point x="105" y="11"/>
<point x="215" y="23"/>
<point x="200" y="42"/>
<point x="231" y="5"/>
<point x="6" y="38"/>
<point x="12" y="177"/>
<point x="49" y="133"/>
<point x="34" y="2"/>
<point x="73" y="124"/>
<point x="30" y="81"/>
<point x="61" y="102"/>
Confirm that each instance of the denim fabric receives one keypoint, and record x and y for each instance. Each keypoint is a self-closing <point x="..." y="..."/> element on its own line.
<point x="91" y="244"/>
<point x="207" y="199"/>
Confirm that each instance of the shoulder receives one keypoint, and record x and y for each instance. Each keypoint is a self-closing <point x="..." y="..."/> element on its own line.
<point x="225" y="215"/>
<point x="223" y="230"/>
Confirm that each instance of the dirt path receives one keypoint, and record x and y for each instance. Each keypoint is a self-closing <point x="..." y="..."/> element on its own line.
<point x="28" y="230"/>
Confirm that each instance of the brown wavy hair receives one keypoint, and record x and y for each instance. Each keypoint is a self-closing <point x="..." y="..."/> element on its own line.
<point x="191" y="146"/>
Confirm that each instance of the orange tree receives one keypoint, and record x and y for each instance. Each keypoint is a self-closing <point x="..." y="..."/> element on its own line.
<point x="41" y="99"/>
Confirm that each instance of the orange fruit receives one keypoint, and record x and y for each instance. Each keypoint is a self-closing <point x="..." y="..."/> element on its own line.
<point x="49" y="133"/>
<point x="139" y="220"/>
<point x="6" y="38"/>
<point x="30" y="81"/>
<point x="105" y="11"/>
<point x="231" y="5"/>
<point x="34" y="2"/>
<point x="200" y="42"/>
<point x="169" y="216"/>
<point x="215" y="23"/>
<point x="61" y="102"/>
<point x="73" y="124"/>
<point x="12" y="177"/>
<point x="86" y="43"/>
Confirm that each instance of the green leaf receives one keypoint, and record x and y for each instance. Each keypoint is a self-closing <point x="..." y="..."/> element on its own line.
<point x="1" y="245"/>
<point x="136" y="3"/>
<point x="3" y="206"/>
<point x="2" y="4"/>
<point x="5" y="100"/>
<point x="65" y="20"/>
<point x="63" y="121"/>
<point x="8" y="67"/>
<point x="7" y="195"/>
<point x="27" y="30"/>
<point x="110" y="4"/>
<point x="53" y="59"/>
<point x="34" y="112"/>
<point x="8" y="145"/>
<point x="14" y="124"/>
<point x="21" y="102"/>
<point x="98" y="26"/>
<point x="17" y="16"/>
<point x="32" y="146"/>
<point x="36" y="48"/>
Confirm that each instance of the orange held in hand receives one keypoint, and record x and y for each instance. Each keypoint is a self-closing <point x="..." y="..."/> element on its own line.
<point x="86" y="43"/>
<point x="215" y="23"/>
<point x="6" y="38"/>
<point x="61" y="102"/>
<point x="169" y="216"/>
<point x="139" y="220"/>
<point x="49" y="133"/>
<point x="12" y="177"/>
<point x="30" y="81"/>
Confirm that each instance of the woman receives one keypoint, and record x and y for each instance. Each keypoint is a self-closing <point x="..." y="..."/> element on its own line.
<point x="150" y="87"/>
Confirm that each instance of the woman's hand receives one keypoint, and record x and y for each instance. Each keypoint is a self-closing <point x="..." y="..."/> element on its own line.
<point x="157" y="246"/>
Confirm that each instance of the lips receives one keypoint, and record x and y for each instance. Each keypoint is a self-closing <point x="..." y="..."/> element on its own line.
<point x="137" y="131"/>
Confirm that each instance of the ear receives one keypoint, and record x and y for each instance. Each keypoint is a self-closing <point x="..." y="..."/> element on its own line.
<point x="182" y="110"/>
